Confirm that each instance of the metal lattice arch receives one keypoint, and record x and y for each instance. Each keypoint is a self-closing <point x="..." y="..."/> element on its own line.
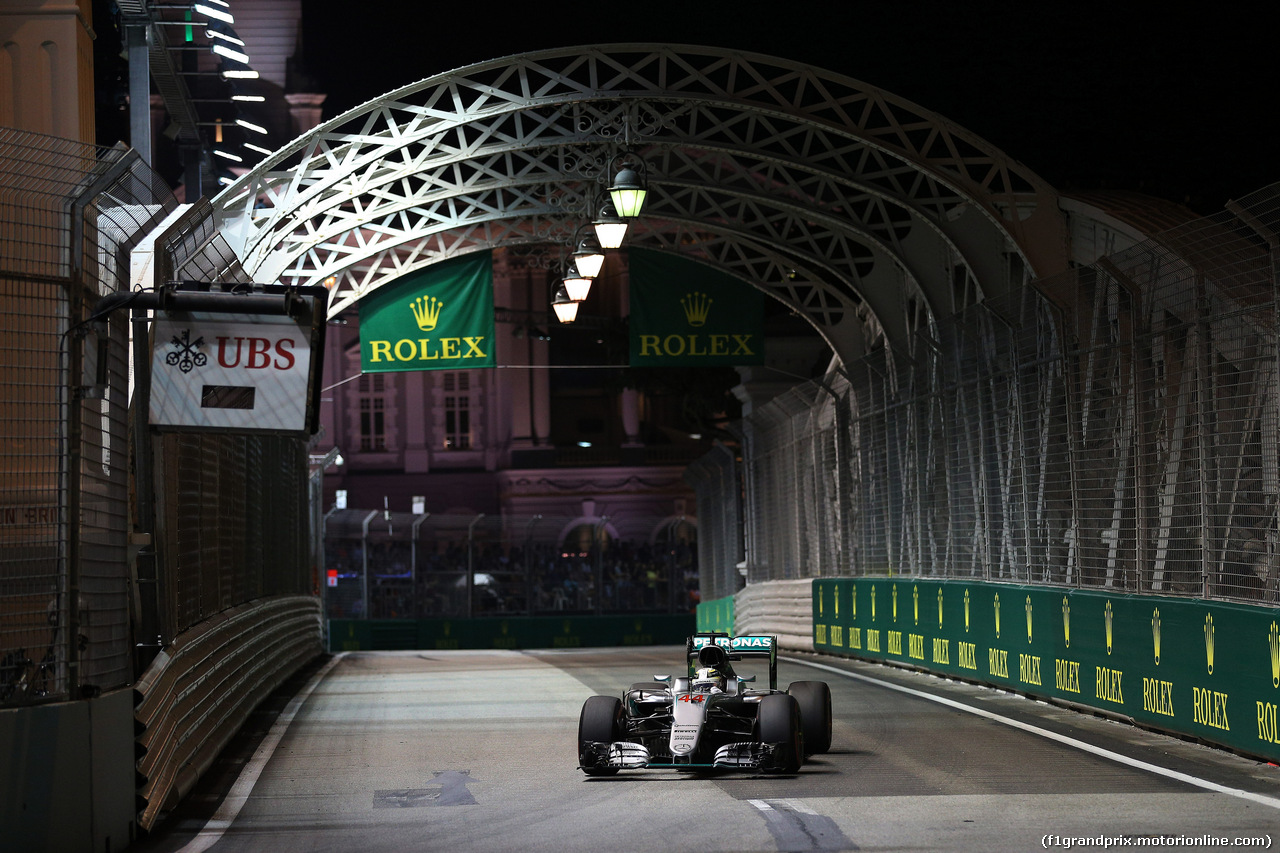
<point x="869" y="216"/>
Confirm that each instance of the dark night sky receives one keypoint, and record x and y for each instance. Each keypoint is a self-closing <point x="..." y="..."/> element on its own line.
<point x="1121" y="94"/>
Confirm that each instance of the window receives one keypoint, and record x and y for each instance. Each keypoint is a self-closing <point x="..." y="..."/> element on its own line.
<point x="457" y="411"/>
<point x="373" y="415"/>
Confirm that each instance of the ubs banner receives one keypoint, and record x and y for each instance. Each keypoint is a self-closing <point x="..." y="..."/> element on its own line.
<point x="439" y="318"/>
<point x="686" y="314"/>
<point x="1206" y="669"/>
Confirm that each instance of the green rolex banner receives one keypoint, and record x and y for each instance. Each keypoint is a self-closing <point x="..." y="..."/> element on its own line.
<point x="439" y="318"/>
<point x="686" y="314"/>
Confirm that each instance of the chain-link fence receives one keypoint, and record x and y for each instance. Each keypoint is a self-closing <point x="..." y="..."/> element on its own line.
<point x="227" y="515"/>
<point x="1116" y="426"/>
<point x="399" y="565"/>
<point x="230" y="513"/>
<point x="716" y="482"/>
<point x="69" y="215"/>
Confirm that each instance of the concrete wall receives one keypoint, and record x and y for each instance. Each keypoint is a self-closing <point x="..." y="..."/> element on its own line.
<point x="68" y="782"/>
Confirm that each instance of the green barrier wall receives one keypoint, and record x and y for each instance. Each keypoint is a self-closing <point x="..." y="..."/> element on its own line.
<point x="716" y="615"/>
<point x="1206" y="669"/>
<point x="538" y="632"/>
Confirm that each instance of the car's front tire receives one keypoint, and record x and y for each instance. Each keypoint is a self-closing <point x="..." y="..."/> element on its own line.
<point x="779" y="726"/>
<point x="814" y="698"/>
<point x="600" y="722"/>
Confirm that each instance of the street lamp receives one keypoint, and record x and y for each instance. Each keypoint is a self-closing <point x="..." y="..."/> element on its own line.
<point x="630" y="185"/>
<point x="609" y="226"/>
<point x="566" y="309"/>
<point x="576" y="286"/>
<point x="588" y="257"/>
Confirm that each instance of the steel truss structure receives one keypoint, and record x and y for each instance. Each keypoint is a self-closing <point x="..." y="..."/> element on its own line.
<point x="1114" y="426"/>
<point x="991" y="412"/>
<point x="869" y="216"/>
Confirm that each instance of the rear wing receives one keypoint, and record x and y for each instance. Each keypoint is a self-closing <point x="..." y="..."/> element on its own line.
<point x="746" y="646"/>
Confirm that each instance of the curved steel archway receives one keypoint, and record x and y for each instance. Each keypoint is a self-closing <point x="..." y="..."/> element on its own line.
<point x="869" y="216"/>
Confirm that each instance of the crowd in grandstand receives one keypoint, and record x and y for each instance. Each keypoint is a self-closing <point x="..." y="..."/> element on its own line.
<point x="507" y="580"/>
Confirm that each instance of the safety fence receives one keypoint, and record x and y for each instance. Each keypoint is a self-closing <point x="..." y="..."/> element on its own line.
<point x="69" y="214"/>
<point x="392" y="565"/>
<point x="1115" y="427"/>
<point x="110" y="565"/>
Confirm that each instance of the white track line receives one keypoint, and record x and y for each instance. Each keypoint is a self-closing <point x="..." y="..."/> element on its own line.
<point x="211" y="833"/>
<point x="1263" y="799"/>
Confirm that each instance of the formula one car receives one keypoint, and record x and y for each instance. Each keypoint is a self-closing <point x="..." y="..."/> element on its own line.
<point x="708" y="718"/>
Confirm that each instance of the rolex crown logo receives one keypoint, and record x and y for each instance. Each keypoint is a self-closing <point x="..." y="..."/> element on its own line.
<point x="1107" y="617"/>
<point x="895" y="602"/>
<point x="426" y="311"/>
<point x="966" y="611"/>
<point x="696" y="306"/>
<point x="1066" y="621"/>
<point x="1028" y="618"/>
<point x="873" y="602"/>
<point x="835" y="599"/>
<point x="1274" y="640"/>
<point x="1208" y="641"/>
<point x="915" y="603"/>
<point x="997" y="609"/>
<point x="939" y="608"/>
<point x="1155" y="633"/>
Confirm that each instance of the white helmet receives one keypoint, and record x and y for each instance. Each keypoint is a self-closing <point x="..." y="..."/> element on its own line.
<point x="708" y="678"/>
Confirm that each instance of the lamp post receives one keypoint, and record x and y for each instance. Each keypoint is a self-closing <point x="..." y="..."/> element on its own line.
<point x="566" y="309"/>
<point x="576" y="285"/>
<point x="528" y="568"/>
<point x="610" y="228"/>
<point x="630" y="185"/>
<point x="364" y="569"/>
<point x="471" y="578"/>
<point x="413" y="562"/>
<point x="588" y="258"/>
<point x="599" y="547"/>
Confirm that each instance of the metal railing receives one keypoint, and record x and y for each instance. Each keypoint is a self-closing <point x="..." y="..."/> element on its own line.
<point x="1116" y="426"/>
<point x="69" y="214"/>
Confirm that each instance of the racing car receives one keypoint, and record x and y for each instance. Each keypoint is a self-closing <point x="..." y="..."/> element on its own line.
<point x="709" y="718"/>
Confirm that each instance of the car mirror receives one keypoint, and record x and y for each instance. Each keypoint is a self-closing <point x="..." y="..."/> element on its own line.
<point x="663" y="678"/>
<point x="746" y="680"/>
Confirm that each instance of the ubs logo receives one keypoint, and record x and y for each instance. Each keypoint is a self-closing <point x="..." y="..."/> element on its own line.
<point x="186" y="354"/>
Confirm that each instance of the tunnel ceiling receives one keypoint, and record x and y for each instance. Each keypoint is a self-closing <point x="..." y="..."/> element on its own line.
<point x="871" y="217"/>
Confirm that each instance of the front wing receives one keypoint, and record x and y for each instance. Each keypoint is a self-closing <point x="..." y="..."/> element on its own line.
<point x="624" y="755"/>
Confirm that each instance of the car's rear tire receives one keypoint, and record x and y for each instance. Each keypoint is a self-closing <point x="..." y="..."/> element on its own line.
<point x="779" y="726"/>
<point x="600" y="722"/>
<point x="814" y="698"/>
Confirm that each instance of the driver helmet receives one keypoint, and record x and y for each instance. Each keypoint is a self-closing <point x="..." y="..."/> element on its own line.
<point x="708" y="678"/>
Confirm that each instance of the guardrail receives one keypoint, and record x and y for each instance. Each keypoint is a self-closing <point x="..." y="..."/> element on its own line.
<point x="199" y="691"/>
<point x="1209" y="670"/>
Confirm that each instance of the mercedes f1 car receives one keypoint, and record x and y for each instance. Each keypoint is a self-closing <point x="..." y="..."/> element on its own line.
<point x="709" y="718"/>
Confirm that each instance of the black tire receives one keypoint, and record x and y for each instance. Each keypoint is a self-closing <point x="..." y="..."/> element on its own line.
<point x="779" y="725"/>
<point x="814" y="698"/>
<point x="601" y="721"/>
